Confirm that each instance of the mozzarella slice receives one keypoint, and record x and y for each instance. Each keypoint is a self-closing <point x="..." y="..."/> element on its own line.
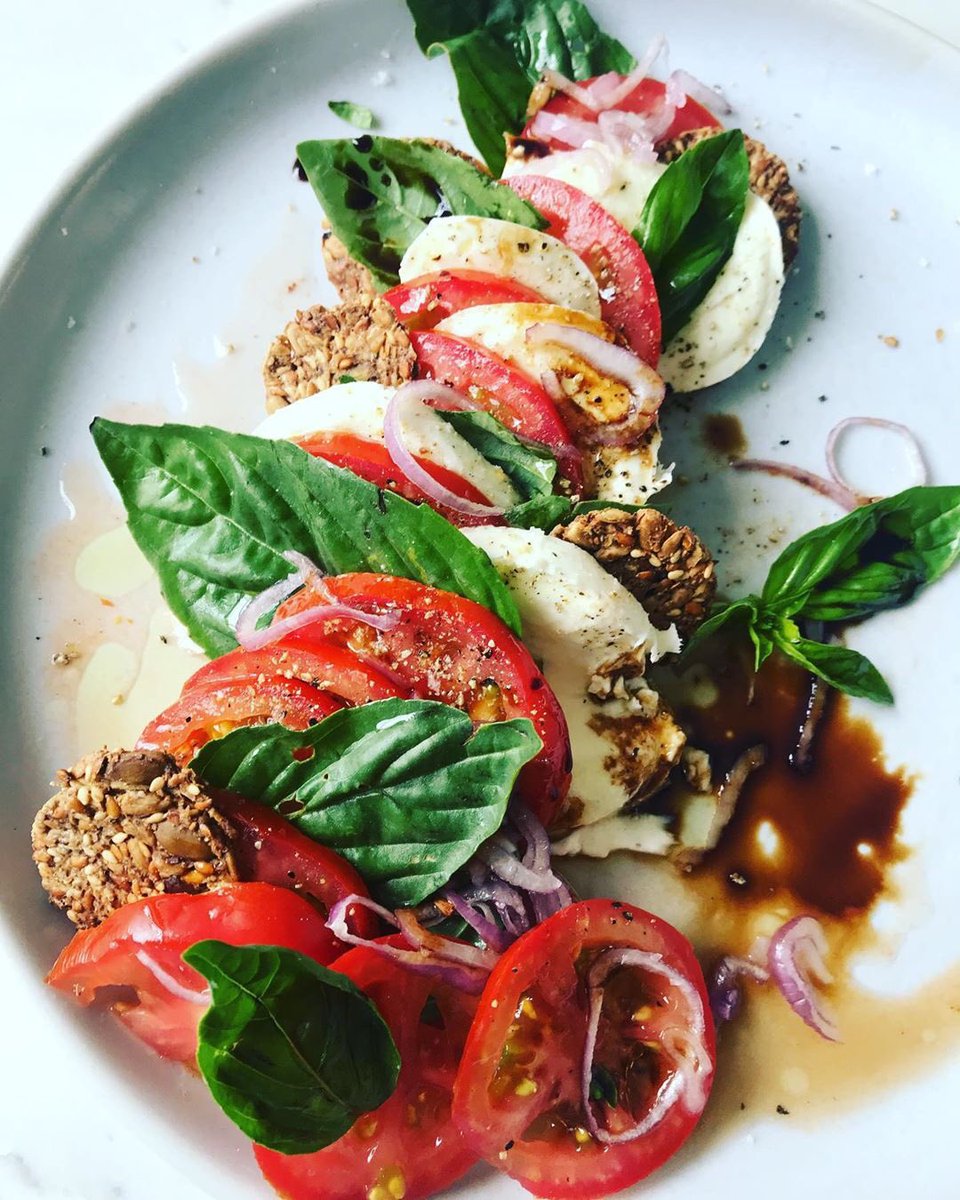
<point x="631" y="476"/>
<point x="643" y="833"/>
<point x="506" y="249"/>
<point x="359" y="408"/>
<point x="728" y="327"/>
<point x="580" y="623"/>
<point x="617" y="181"/>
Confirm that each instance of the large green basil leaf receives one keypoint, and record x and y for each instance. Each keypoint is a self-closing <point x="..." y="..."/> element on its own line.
<point x="214" y="512"/>
<point x="498" y="50"/>
<point x="292" y="1052"/>
<point x="690" y="221"/>
<point x="379" y="193"/>
<point x="874" y="558"/>
<point x="531" y="468"/>
<point x="405" y="789"/>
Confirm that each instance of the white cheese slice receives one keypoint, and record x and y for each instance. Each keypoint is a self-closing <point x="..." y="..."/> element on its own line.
<point x="577" y="620"/>
<point x="644" y="833"/>
<point x="506" y="249"/>
<point x="728" y="327"/>
<point x="359" y="408"/>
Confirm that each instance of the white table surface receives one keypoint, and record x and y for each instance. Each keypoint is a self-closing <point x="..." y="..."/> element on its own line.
<point x="69" y="73"/>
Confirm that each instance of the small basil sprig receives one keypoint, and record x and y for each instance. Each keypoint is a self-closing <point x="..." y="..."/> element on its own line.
<point x="546" y="512"/>
<point x="214" y="511"/>
<point x="690" y="221"/>
<point x="379" y="193"/>
<point x="499" y="49"/>
<point x="292" y="1052"/>
<point x="875" y="558"/>
<point x="405" y="789"/>
<point x="354" y="114"/>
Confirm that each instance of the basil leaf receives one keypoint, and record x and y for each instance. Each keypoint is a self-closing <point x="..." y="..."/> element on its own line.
<point x="405" y="789"/>
<point x="499" y="49"/>
<point x="531" y="469"/>
<point x="292" y="1052"/>
<point x="690" y="221"/>
<point x="543" y="512"/>
<point x="876" y="557"/>
<point x="213" y="512"/>
<point x="379" y="193"/>
<point x="843" y="668"/>
<point x="355" y="114"/>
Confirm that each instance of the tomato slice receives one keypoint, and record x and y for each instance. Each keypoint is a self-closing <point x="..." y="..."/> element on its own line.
<point x="454" y="650"/>
<point x="645" y="98"/>
<point x="213" y="710"/>
<point x="137" y="949"/>
<point x="269" y="849"/>
<point x="423" y="302"/>
<point x="628" y="294"/>
<point x="324" y="665"/>
<point x="372" y="461"/>
<point x="501" y="390"/>
<point x="517" y="1095"/>
<point x="408" y="1147"/>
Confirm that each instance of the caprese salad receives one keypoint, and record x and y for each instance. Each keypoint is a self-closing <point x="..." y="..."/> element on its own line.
<point x="429" y="586"/>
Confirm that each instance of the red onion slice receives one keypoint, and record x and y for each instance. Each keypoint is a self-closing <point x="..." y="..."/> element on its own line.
<point x="407" y="463"/>
<point x="320" y="612"/>
<point x="724" y="987"/>
<point x="635" y="133"/>
<point x="492" y="936"/>
<point x="575" y="131"/>
<point x="796" y="960"/>
<point x="501" y="862"/>
<point x="909" y="437"/>
<point x="684" y="1046"/>
<point x="646" y="386"/>
<point x="655" y="47"/>
<point x="463" y="967"/>
<point x="839" y="493"/>
<point x="171" y="983"/>
<point x="710" y="97"/>
<point x="576" y="91"/>
<point x="439" y="395"/>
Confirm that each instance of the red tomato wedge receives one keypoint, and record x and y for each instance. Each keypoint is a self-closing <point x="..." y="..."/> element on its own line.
<point x="454" y="650"/>
<point x="210" y="711"/>
<point x="267" y="848"/>
<point x="423" y="302"/>
<point x="645" y="98"/>
<point x="137" y="949"/>
<point x="628" y="294"/>
<point x="518" y="1093"/>
<point x="408" y="1147"/>
<point x="509" y="395"/>
<point x="372" y="461"/>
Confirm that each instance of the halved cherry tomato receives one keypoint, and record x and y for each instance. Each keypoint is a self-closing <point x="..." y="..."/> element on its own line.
<point x="645" y="98"/>
<point x="518" y="1093"/>
<point x="423" y="302"/>
<point x="372" y="461"/>
<point x="501" y="390"/>
<point x="454" y="650"/>
<point x="267" y="848"/>
<point x="137" y="950"/>
<point x="628" y="294"/>
<point x="211" y="711"/>
<point x="408" y="1147"/>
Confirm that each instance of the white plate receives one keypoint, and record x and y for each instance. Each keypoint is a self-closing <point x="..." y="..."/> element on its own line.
<point x="184" y="233"/>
